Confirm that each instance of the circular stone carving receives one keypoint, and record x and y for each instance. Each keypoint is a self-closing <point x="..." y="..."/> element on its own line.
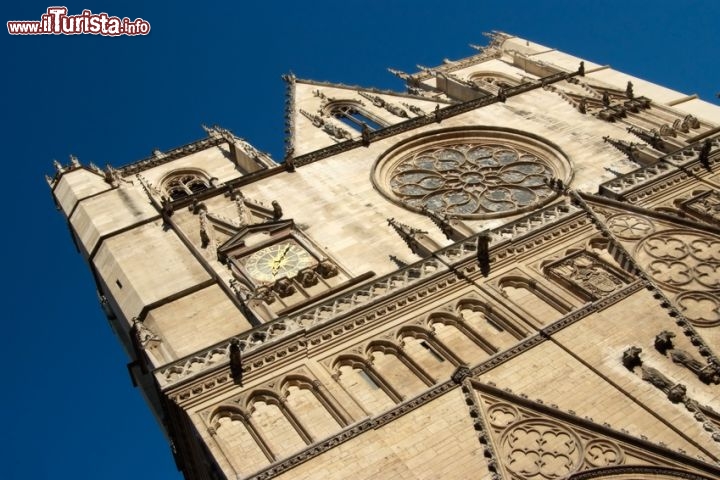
<point x="682" y="260"/>
<point x="471" y="173"/>
<point x="700" y="308"/>
<point x="537" y="448"/>
<point x="502" y="415"/>
<point x="603" y="453"/>
<point x="630" y="227"/>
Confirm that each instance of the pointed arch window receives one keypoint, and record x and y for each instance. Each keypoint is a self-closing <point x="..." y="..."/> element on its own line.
<point x="183" y="184"/>
<point x="352" y="115"/>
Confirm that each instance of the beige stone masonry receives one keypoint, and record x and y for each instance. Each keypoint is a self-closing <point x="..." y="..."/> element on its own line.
<point x="76" y="185"/>
<point x="125" y="261"/>
<point x="110" y="212"/>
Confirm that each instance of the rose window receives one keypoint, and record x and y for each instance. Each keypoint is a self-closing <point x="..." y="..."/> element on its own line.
<point x="475" y="178"/>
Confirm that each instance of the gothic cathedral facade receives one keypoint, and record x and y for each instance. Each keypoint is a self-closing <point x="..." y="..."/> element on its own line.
<point x="511" y="270"/>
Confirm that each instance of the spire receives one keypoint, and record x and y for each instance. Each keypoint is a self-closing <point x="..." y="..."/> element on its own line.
<point x="443" y="223"/>
<point x="409" y="234"/>
<point x="399" y="263"/>
<point x="289" y="117"/>
<point x="243" y="154"/>
<point x="652" y="137"/>
<point x="628" y="148"/>
<point x="400" y="74"/>
<point x="629" y="93"/>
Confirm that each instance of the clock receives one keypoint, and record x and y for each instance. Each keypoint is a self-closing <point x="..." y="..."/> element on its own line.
<point x="280" y="260"/>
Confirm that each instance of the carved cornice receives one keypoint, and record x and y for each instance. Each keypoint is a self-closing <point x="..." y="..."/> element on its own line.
<point x="423" y="278"/>
<point x="638" y="471"/>
<point x="365" y="89"/>
<point x="669" y="169"/>
<point x="434" y="117"/>
<point x="260" y="361"/>
<point x="170" y="155"/>
<point x="487" y="53"/>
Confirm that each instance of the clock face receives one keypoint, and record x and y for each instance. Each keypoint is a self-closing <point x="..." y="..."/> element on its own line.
<point x="283" y="259"/>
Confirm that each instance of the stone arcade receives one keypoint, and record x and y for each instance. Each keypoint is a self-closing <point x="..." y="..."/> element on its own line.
<point x="512" y="270"/>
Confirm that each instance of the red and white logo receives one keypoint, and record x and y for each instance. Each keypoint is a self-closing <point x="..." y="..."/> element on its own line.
<point x="56" y="21"/>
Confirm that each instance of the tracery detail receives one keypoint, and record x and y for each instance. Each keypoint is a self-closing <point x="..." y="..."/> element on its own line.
<point x="541" y="449"/>
<point x="472" y="180"/>
<point x="700" y="308"/>
<point x="684" y="260"/>
<point x="184" y="184"/>
<point x="603" y="453"/>
<point x="587" y="273"/>
<point x="630" y="227"/>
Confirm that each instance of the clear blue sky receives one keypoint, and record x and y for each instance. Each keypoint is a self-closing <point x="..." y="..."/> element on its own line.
<point x="70" y="409"/>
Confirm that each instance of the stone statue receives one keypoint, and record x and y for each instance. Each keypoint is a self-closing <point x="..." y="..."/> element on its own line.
<point x="143" y="333"/>
<point x="277" y="210"/>
<point x="629" y="93"/>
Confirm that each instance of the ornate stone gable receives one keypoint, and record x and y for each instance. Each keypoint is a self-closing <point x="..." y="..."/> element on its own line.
<point x="531" y="440"/>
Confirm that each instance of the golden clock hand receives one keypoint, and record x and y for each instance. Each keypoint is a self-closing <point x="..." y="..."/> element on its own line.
<point x="280" y="255"/>
<point x="278" y="261"/>
<point x="275" y="267"/>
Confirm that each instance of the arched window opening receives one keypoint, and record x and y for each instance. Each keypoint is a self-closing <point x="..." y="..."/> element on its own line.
<point x="489" y="323"/>
<point x="462" y="342"/>
<point x="535" y="300"/>
<point x="400" y="372"/>
<point x="277" y="428"/>
<point x="184" y="184"/>
<point x="364" y="386"/>
<point x="311" y="408"/>
<point x="354" y="117"/>
<point x="239" y="442"/>
<point x="423" y="350"/>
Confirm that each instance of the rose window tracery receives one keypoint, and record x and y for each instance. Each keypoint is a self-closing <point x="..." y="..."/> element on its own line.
<point x="603" y="453"/>
<point x="702" y="309"/>
<point x="630" y="227"/>
<point x="682" y="260"/>
<point x="538" y="449"/>
<point x="472" y="177"/>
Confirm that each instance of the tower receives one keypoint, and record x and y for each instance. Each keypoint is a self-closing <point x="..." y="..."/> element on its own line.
<point x="509" y="271"/>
